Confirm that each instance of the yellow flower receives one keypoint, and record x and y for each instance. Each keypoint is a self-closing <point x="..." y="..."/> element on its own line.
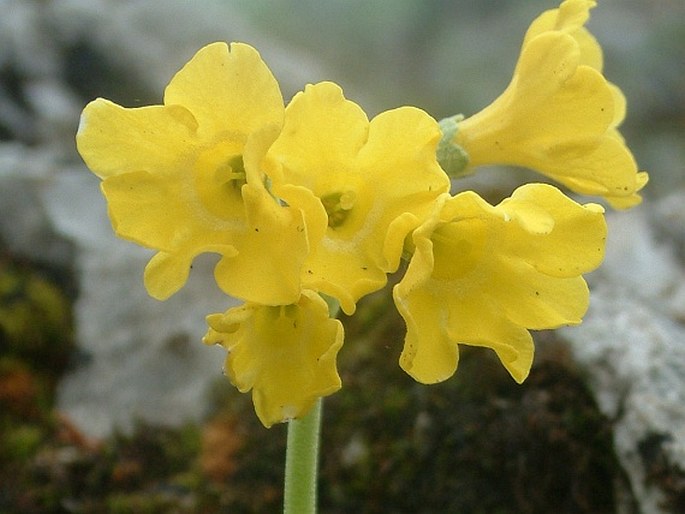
<point x="484" y="275"/>
<point x="284" y="354"/>
<point x="375" y="182"/>
<point x="559" y="115"/>
<point x="185" y="177"/>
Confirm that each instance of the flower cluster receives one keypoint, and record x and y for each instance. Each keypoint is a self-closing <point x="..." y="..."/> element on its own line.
<point x="311" y="204"/>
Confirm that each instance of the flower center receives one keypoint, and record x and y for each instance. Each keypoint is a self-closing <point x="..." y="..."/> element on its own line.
<point x="458" y="248"/>
<point x="338" y="207"/>
<point x="219" y="175"/>
<point x="231" y="174"/>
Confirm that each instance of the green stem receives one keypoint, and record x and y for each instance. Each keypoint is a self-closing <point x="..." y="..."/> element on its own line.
<point x="301" y="463"/>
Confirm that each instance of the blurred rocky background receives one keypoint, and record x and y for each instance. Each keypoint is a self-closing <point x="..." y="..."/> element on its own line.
<point x="110" y="403"/>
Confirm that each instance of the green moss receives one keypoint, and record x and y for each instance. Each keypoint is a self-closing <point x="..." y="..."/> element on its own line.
<point x="143" y="503"/>
<point x="21" y="442"/>
<point x="477" y="443"/>
<point x="35" y="319"/>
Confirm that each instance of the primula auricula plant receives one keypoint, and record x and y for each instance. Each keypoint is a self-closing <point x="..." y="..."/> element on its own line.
<point x="311" y="205"/>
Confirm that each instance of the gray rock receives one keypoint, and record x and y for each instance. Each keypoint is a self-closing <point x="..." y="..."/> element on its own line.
<point x="669" y="217"/>
<point x="631" y="347"/>
<point x="141" y="360"/>
<point x="26" y="229"/>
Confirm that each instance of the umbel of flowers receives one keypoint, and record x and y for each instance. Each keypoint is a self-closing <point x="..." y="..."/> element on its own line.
<point x="311" y="204"/>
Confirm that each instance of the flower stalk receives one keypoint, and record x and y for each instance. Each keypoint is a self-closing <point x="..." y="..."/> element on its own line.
<point x="301" y="462"/>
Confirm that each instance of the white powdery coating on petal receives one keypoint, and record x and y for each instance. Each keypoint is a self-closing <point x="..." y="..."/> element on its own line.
<point x="81" y="124"/>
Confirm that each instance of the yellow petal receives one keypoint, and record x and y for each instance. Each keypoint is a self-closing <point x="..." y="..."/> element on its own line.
<point x="166" y="272"/>
<point x="569" y="19"/>
<point x="285" y="354"/>
<point x="626" y="202"/>
<point x="323" y="131"/>
<point x="139" y="203"/>
<point x="113" y="140"/>
<point x="227" y="90"/>
<point x="484" y="275"/>
<point x="570" y="16"/>
<point x="375" y="181"/>
<point x="400" y="156"/>
<point x="601" y="166"/>
<point x="428" y="356"/>
<point x="619" y="106"/>
<point x="554" y="253"/>
<point x="591" y="53"/>
<point x="272" y="250"/>
<point x="530" y="299"/>
<point x="481" y="324"/>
